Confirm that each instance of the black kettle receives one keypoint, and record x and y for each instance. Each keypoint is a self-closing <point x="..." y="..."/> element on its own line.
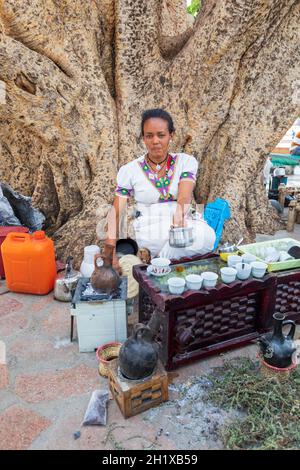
<point x="276" y="348"/>
<point x="138" y="355"/>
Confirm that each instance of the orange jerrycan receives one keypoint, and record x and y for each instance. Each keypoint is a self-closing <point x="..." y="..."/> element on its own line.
<point x="29" y="262"/>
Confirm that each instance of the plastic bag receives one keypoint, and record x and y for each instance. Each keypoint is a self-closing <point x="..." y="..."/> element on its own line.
<point x="7" y="216"/>
<point x="96" y="413"/>
<point x="16" y="209"/>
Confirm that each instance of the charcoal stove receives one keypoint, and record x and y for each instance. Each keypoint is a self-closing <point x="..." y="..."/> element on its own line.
<point x="100" y="316"/>
<point x="135" y="396"/>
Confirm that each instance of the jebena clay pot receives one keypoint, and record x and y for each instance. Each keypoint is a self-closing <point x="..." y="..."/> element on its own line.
<point x="105" y="278"/>
<point x="138" y="355"/>
<point x="276" y="348"/>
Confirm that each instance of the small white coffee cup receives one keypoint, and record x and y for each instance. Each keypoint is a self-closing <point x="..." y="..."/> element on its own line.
<point x="176" y="285"/>
<point x="194" y="281"/>
<point x="228" y="275"/>
<point x="209" y="279"/>
<point x="258" y="269"/>
<point x="248" y="258"/>
<point x="232" y="260"/>
<point x="284" y="256"/>
<point x="160" y="265"/>
<point x="243" y="271"/>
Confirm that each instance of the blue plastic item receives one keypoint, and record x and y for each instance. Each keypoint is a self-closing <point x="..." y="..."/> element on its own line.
<point x="215" y="214"/>
<point x="277" y="180"/>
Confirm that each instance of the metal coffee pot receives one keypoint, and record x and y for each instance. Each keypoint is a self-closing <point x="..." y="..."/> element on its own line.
<point x="66" y="282"/>
<point x="181" y="237"/>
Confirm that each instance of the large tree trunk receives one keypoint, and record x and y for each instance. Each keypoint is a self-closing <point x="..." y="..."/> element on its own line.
<point x="79" y="74"/>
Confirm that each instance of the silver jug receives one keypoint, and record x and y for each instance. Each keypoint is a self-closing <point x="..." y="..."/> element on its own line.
<point x="181" y="237"/>
<point x="66" y="282"/>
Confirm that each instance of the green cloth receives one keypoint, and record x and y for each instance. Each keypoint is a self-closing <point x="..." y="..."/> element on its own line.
<point x="279" y="159"/>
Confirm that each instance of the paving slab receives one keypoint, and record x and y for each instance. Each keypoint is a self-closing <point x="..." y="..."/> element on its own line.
<point x="19" y="427"/>
<point x="55" y="385"/>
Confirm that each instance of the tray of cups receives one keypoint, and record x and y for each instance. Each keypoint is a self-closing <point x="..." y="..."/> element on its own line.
<point x="279" y="255"/>
<point x="178" y="279"/>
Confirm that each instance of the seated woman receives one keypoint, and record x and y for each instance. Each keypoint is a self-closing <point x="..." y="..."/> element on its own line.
<point x="162" y="184"/>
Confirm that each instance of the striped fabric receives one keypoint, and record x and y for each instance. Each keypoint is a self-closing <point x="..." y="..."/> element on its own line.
<point x="296" y="141"/>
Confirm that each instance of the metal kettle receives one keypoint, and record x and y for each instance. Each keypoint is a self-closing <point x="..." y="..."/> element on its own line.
<point x="66" y="281"/>
<point x="181" y="237"/>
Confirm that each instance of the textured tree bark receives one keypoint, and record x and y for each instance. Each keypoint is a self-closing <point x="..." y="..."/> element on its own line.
<point x="79" y="74"/>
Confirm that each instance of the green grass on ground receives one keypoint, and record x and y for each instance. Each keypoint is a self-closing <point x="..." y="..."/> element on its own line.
<point x="272" y="407"/>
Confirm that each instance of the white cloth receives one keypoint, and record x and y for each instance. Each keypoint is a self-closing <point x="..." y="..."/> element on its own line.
<point x="152" y="231"/>
<point x="153" y="225"/>
<point x="132" y="177"/>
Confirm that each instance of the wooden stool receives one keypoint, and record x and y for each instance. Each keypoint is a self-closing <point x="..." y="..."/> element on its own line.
<point x="135" y="396"/>
<point x="293" y="214"/>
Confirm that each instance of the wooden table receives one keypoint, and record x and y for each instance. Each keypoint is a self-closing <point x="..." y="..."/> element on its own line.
<point x="285" y="190"/>
<point x="197" y="324"/>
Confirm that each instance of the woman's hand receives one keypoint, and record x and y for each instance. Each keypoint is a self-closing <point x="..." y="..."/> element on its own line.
<point x="179" y="219"/>
<point x="183" y="203"/>
<point x="116" y="264"/>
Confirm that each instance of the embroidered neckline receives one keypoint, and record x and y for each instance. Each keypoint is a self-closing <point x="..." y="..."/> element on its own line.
<point x="161" y="184"/>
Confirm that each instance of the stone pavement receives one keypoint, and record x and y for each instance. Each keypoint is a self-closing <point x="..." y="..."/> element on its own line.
<point x="46" y="384"/>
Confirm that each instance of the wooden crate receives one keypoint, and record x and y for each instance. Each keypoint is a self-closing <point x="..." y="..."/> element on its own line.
<point x="135" y="396"/>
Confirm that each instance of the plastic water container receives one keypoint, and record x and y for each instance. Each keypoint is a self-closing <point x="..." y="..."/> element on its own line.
<point x="29" y="262"/>
<point x="4" y="231"/>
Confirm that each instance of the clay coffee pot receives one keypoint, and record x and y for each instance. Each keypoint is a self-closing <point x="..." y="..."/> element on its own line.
<point x="138" y="356"/>
<point x="105" y="278"/>
<point x="276" y="348"/>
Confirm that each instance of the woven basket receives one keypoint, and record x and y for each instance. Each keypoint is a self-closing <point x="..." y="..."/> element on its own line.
<point x="272" y="372"/>
<point x="105" y="354"/>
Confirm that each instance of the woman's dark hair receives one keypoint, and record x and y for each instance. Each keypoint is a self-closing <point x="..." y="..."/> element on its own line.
<point x="157" y="113"/>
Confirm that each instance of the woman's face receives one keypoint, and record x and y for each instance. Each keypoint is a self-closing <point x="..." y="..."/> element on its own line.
<point x="157" y="137"/>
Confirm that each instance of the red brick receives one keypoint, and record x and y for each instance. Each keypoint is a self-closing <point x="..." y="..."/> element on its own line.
<point x="12" y="323"/>
<point x="42" y="350"/>
<point x="19" y="427"/>
<point x="39" y="303"/>
<point x="8" y="305"/>
<point x="58" y="321"/>
<point x="55" y="385"/>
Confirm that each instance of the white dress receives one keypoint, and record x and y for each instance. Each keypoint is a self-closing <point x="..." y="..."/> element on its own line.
<point x="155" y="201"/>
